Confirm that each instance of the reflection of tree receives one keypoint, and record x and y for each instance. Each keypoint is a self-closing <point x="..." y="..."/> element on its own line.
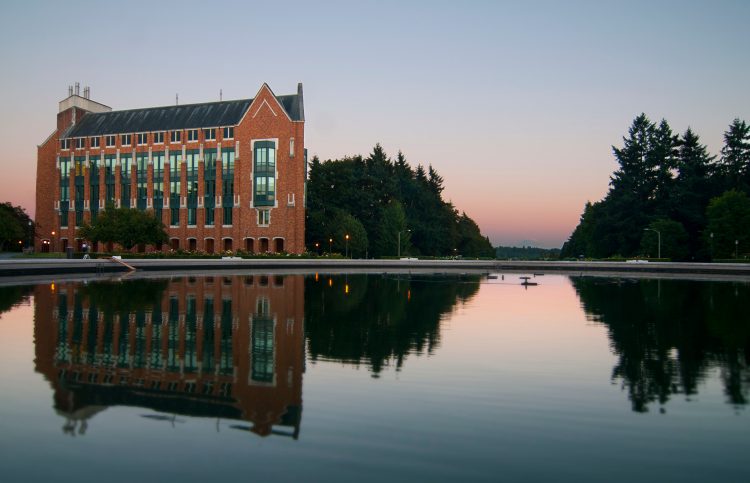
<point x="12" y="296"/>
<point x="378" y="319"/>
<point x="124" y="296"/>
<point x="670" y="334"/>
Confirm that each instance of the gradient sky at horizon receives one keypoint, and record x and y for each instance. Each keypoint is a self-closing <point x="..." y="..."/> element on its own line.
<point x="516" y="104"/>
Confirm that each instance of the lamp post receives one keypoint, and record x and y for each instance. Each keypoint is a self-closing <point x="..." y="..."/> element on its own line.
<point x="736" y="243"/>
<point x="712" y="246"/>
<point x="659" y="234"/>
<point x="317" y="251"/>
<point x="53" y="241"/>
<point x="29" y="234"/>
<point x="399" y="241"/>
<point x="330" y="246"/>
<point x="346" y="253"/>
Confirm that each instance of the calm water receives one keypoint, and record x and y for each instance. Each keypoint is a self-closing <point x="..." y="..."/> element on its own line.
<point x="375" y="378"/>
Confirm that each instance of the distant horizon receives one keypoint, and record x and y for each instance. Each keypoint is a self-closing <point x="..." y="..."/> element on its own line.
<point x="517" y="106"/>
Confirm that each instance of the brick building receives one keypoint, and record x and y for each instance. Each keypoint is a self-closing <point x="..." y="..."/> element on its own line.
<point x="226" y="175"/>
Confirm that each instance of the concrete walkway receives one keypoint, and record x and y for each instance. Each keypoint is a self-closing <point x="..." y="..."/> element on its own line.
<point x="26" y="267"/>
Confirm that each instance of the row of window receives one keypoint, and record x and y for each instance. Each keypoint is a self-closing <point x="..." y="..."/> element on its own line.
<point x="110" y="140"/>
<point x="263" y="220"/>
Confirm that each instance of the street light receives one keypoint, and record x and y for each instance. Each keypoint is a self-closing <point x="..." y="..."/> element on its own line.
<point x="29" y="234"/>
<point x="712" y="246"/>
<point x="659" y="234"/>
<point x="736" y="242"/>
<point x="330" y="246"/>
<point x="317" y="252"/>
<point x="399" y="241"/>
<point x="346" y="253"/>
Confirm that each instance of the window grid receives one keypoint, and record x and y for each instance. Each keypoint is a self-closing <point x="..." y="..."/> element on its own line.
<point x="264" y="173"/>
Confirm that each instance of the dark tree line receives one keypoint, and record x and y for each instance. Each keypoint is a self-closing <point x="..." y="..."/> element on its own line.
<point x="671" y="184"/>
<point x="16" y="228"/>
<point x="379" y="202"/>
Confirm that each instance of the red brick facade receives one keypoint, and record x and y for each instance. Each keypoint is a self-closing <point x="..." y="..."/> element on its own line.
<point x="265" y="119"/>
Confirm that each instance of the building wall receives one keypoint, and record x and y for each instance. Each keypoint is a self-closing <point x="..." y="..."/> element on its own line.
<point x="46" y="191"/>
<point x="266" y="119"/>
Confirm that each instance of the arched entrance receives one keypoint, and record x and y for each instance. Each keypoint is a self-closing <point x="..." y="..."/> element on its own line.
<point x="263" y="245"/>
<point x="192" y="244"/>
<point x="174" y="244"/>
<point x="227" y="244"/>
<point x="249" y="245"/>
<point x="209" y="244"/>
<point x="278" y="245"/>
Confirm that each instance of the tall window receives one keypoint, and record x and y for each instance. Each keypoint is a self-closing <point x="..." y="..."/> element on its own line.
<point x="94" y="186"/>
<point x="191" y="162"/>
<point x="141" y="179"/>
<point x="209" y="181"/>
<point x="79" y="183"/>
<point x="264" y="173"/>
<point x="227" y="187"/>
<point x="109" y="178"/>
<point x="158" y="163"/>
<point x="126" y="169"/>
<point x="64" y="190"/>
<point x="175" y="159"/>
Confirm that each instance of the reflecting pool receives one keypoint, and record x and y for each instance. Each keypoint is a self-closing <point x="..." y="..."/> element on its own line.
<point x="370" y="377"/>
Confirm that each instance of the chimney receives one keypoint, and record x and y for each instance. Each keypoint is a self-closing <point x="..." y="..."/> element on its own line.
<point x="70" y="91"/>
<point x="87" y="92"/>
<point x="78" y="88"/>
<point x="300" y="102"/>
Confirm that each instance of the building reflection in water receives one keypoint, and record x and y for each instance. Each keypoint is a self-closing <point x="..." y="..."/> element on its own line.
<point x="219" y="347"/>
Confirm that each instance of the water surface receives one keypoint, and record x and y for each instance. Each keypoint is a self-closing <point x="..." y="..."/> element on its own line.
<point x="375" y="377"/>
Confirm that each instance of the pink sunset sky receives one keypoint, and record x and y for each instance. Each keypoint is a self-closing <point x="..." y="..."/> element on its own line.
<point x="516" y="104"/>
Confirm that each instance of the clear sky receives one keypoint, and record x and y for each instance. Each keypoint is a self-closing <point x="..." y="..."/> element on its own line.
<point x="516" y="104"/>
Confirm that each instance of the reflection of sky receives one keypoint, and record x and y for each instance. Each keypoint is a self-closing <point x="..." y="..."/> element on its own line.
<point x="519" y="386"/>
<point x="515" y="103"/>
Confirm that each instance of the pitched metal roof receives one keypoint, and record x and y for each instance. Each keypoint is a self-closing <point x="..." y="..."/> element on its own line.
<point x="188" y="116"/>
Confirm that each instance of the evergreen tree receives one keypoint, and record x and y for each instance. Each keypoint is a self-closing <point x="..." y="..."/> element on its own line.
<point x="735" y="156"/>
<point x="692" y="188"/>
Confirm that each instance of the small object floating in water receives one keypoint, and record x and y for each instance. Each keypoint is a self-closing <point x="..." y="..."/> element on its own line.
<point x="526" y="282"/>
